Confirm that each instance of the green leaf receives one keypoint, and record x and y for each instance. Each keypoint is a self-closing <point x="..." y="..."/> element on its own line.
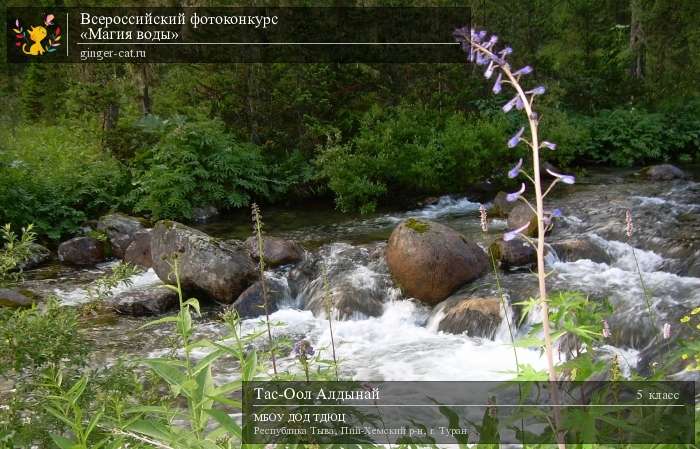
<point x="59" y="416"/>
<point x="64" y="443"/>
<point x="226" y="421"/>
<point x="250" y="366"/>
<point x="167" y="319"/>
<point x="169" y="370"/>
<point x="153" y="430"/>
<point x="207" y="360"/>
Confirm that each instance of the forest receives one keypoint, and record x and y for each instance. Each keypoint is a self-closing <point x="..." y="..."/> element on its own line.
<point x="163" y="140"/>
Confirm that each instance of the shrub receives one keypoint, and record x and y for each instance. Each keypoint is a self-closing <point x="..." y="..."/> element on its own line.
<point x="55" y="177"/>
<point x="570" y="131"/>
<point x="627" y="137"/>
<point x="196" y="164"/>
<point x="32" y="338"/>
<point x="410" y="150"/>
<point x="14" y="251"/>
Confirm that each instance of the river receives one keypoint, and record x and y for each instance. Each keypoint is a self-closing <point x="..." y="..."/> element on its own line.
<point x="403" y="342"/>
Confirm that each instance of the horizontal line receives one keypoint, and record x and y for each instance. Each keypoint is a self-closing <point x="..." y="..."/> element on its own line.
<point x="469" y="405"/>
<point x="268" y="43"/>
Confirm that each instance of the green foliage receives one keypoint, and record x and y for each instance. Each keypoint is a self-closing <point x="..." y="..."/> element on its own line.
<point x="411" y="149"/>
<point x="55" y="177"/>
<point x="576" y="327"/>
<point x="32" y="338"/>
<point x="14" y="252"/>
<point x="196" y="164"/>
<point x="628" y="137"/>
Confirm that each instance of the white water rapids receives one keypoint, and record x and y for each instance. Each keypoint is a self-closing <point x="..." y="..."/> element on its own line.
<point x="404" y="343"/>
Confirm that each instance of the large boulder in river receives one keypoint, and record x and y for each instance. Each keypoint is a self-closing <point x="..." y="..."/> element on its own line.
<point x="276" y="251"/>
<point x="220" y="270"/>
<point x="501" y="207"/>
<point x="139" y="250"/>
<point x="663" y="172"/>
<point x="142" y="301"/>
<point x="478" y="317"/>
<point x="429" y="260"/>
<point x="82" y="251"/>
<point x="519" y="216"/>
<point x="513" y="253"/>
<point x="120" y="229"/>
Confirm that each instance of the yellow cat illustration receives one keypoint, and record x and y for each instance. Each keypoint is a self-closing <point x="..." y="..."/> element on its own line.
<point x="36" y="35"/>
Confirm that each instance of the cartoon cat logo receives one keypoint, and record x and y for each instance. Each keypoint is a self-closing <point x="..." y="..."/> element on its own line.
<point x="31" y="41"/>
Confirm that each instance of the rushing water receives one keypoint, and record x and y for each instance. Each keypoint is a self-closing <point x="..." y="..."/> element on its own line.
<point x="403" y="342"/>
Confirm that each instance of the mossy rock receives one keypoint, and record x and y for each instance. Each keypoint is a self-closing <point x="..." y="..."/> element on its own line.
<point x="430" y="260"/>
<point x="417" y="225"/>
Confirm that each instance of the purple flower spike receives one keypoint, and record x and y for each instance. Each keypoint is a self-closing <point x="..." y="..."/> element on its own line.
<point x="523" y="71"/>
<point x="566" y="179"/>
<point x="505" y="52"/>
<point x="550" y="145"/>
<point x="492" y="41"/>
<point x="539" y="90"/>
<point x="497" y="86"/>
<point x="519" y="104"/>
<point x="303" y="348"/>
<point x="508" y="106"/>
<point x="515" y="140"/>
<point x="489" y="70"/>
<point x="482" y="34"/>
<point x="556" y="213"/>
<point x="515" y="195"/>
<point x="515" y="171"/>
<point x="510" y="235"/>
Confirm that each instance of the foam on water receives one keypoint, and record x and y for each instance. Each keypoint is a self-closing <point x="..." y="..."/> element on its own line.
<point x="446" y="205"/>
<point x="80" y="295"/>
<point x="398" y="346"/>
<point x="617" y="283"/>
<point x="623" y="255"/>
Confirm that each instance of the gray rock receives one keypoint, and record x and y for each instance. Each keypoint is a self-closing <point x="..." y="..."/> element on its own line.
<point x="82" y="251"/>
<point x="571" y="250"/>
<point x="429" y="260"/>
<point x="519" y="216"/>
<point x="276" y="251"/>
<point x="478" y="317"/>
<point x="348" y="300"/>
<point x="501" y="207"/>
<point x="250" y="303"/>
<point x="204" y="214"/>
<point x="513" y="253"/>
<point x="664" y="172"/>
<point x="16" y="298"/>
<point x="142" y="301"/>
<point x="38" y="255"/>
<point x="358" y="280"/>
<point x="120" y="230"/>
<point x="220" y="270"/>
<point x="139" y="250"/>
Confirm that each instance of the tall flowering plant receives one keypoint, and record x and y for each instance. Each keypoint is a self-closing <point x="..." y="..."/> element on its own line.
<point x="482" y="50"/>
